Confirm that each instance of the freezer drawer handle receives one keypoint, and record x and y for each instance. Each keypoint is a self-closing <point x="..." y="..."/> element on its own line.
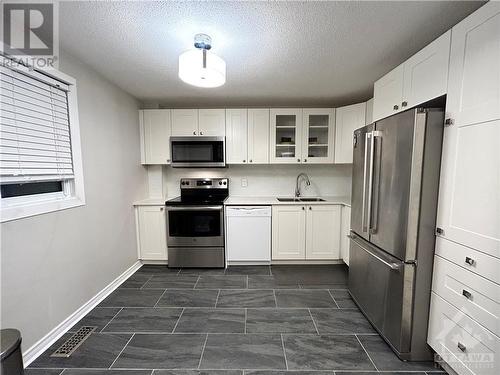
<point x="466" y="294"/>
<point x="469" y="261"/>
<point x="462" y="347"/>
<point x="392" y="266"/>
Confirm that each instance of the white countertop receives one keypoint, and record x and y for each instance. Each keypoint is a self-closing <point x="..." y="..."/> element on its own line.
<point x="250" y="201"/>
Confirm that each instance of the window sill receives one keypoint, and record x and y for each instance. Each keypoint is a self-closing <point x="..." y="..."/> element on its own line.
<point x="38" y="208"/>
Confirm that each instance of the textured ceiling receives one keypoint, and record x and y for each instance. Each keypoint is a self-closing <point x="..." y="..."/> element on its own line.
<point x="277" y="53"/>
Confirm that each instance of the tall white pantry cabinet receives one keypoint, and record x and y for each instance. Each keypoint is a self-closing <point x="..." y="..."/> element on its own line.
<point x="464" y="326"/>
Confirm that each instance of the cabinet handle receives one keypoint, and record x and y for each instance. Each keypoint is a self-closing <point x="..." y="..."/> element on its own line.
<point x="194" y="133"/>
<point x="466" y="294"/>
<point x="303" y="208"/>
<point x="305" y="160"/>
<point x="244" y="161"/>
<point x="404" y="104"/>
<point x="461" y="346"/>
<point x="251" y="161"/>
<point x="448" y="122"/>
<point x="161" y="208"/>
<point x="396" y="107"/>
<point x="168" y="160"/>
<point x="469" y="261"/>
<point x="201" y="133"/>
<point x="310" y="208"/>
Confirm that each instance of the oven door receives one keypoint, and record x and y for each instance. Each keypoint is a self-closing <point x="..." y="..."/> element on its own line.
<point x="198" y="151"/>
<point x="195" y="226"/>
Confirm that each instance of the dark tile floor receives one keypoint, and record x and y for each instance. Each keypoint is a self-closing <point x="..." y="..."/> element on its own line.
<point x="246" y="320"/>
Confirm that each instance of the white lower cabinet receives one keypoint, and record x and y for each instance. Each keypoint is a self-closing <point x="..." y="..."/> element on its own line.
<point x="345" y="229"/>
<point x="306" y="232"/>
<point x="289" y="232"/>
<point x="151" y="232"/>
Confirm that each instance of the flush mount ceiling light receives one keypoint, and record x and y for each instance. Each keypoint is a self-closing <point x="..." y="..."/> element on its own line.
<point x="201" y="68"/>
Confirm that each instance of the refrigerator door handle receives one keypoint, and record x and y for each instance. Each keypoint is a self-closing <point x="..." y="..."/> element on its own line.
<point x="373" y="215"/>
<point x="370" y="180"/>
<point x="364" y="227"/>
<point x="391" y="265"/>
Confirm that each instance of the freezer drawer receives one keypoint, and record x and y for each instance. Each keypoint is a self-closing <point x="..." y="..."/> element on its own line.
<point x="377" y="283"/>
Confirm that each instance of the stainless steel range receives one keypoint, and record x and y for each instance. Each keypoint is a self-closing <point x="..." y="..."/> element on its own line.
<point x="195" y="223"/>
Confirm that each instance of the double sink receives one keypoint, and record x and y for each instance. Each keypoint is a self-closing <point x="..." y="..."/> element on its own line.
<point x="293" y="199"/>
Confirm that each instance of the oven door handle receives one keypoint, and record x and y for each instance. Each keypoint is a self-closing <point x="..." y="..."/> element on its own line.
<point x="194" y="208"/>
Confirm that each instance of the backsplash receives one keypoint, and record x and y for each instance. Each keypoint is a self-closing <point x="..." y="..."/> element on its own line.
<point x="262" y="180"/>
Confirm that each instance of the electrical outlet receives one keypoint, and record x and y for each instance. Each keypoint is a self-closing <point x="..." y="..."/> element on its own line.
<point x="244" y="182"/>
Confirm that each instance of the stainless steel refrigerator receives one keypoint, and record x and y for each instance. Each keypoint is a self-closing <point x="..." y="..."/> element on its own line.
<point x="396" y="164"/>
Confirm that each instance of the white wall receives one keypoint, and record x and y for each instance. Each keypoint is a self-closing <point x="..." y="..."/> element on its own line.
<point x="268" y="180"/>
<point x="53" y="263"/>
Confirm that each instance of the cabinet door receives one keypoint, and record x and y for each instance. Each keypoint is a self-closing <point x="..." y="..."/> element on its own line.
<point x="469" y="199"/>
<point x="323" y="232"/>
<point x="318" y="133"/>
<point x="236" y="136"/>
<point x="184" y="122"/>
<point x="212" y="122"/>
<point x="286" y="135"/>
<point x="347" y="120"/>
<point x="344" y="233"/>
<point x="156" y="130"/>
<point x="258" y="136"/>
<point x="152" y="233"/>
<point x="288" y="232"/>
<point x="426" y="73"/>
<point x="387" y="94"/>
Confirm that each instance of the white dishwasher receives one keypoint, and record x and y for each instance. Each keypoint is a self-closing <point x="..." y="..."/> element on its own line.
<point x="248" y="234"/>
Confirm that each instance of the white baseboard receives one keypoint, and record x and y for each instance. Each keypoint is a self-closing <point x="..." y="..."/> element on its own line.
<point x="305" y="262"/>
<point x="45" y="342"/>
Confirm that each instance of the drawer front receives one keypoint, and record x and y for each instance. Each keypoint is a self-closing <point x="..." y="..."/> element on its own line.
<point x="462" y="343"/>
<point x="473" y="260"/>
<point x="473" y="295"/>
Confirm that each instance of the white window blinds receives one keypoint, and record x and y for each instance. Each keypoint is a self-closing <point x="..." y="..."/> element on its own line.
<point x="35" y="142"/>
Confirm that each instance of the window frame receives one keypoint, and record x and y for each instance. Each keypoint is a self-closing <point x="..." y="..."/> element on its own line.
<point x="73" y="194"/>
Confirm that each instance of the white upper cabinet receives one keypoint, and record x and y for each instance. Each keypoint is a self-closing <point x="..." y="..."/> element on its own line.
<point x="318" y="134"/>
<point x="258" y="136"/>
<point x="347" y="120"/>
<point x="212" y="122"/>
<point x="469" y="193"/>
<point x="369" y="112"/>
<point x="286" y="135"/>
<point x="184" y="122"/>
<point x="387" y="93"/>
<point x="426" y="73"/>
<point x="236" y="136"/>
<point x="421" y="78"/>
<point x="155" y="130"/>
<point x="323" y="232"/>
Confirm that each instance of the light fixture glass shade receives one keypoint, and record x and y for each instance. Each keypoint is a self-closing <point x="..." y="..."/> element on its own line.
<point x="191" y="69"/>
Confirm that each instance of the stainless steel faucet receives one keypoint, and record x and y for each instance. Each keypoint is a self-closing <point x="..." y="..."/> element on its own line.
<point x="297" y="184"/>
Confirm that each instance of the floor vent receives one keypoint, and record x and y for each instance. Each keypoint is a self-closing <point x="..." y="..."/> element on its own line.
<point x="71" y="344"/>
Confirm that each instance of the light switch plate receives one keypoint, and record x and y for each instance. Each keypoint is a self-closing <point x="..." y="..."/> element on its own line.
<point x="244" y="182"/>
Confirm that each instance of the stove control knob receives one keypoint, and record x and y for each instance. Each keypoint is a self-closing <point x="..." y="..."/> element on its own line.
<point x="220" y="182"/>
<point x="225" y="183"/>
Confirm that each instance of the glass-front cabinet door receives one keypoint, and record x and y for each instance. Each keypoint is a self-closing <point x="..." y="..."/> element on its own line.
<point x="318" y="135"/>
<point x="286" y="135"/>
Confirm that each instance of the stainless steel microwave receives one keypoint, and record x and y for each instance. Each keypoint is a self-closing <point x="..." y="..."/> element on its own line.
<point x="198" y="152"/>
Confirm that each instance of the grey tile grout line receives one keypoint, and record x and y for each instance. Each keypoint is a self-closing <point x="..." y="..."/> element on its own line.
<point x="114" y="316"/>
<point x="315" y="326"/>
<point x="196" y="283"/>
<point x="178" y="320"/>
<point x="217" y="299"/>
<point x="246" y="316"/>
<point x="370" y="358"/>
<point x="284" y="351"/>
<point x="121" y="351"/>
<point x="334" y="300"/>
<point x="159" y="299"/>
<point x="203" y="351"/>
<point x="147" y="281"/>
<point x="275" y="299"/>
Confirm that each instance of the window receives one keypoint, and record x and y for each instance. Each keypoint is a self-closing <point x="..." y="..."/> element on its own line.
<point x="40" y="158"/>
